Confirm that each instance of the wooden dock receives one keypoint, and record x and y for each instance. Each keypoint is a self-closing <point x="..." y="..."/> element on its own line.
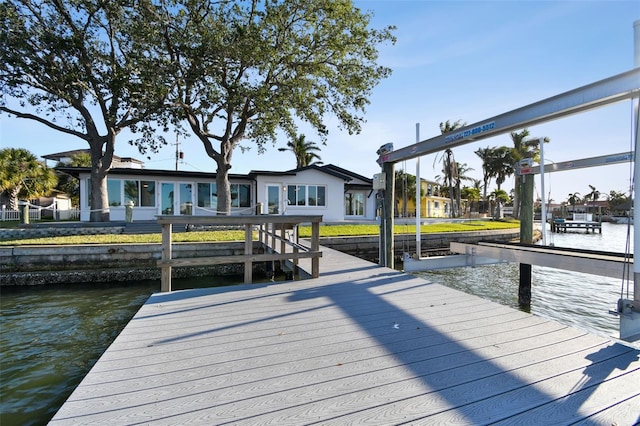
<point x="360" y="344"/>
<point x="574" y="225"/>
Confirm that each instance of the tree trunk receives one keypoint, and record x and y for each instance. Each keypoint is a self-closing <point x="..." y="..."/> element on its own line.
<point x="99" y="197"/>
<point x="223" y="188"/>
<point x="100" y="166"/>
<point x="13" y="198"/>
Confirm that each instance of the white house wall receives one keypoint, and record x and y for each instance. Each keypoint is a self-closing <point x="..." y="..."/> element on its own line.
<point x="144" y="213"/>
<point x="333" y="210"/>
<point x="334" y="205"/>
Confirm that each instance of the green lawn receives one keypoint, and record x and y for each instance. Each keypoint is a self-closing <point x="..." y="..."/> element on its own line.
<point x="304" y="231"/>
<point x="359" y="230"/>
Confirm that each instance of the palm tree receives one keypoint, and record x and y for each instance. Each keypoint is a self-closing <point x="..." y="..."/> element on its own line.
<point x="574" y="199"/>
<point x="461" y="174"/>
<point x="618" y="201"/>
<point x="303" y="151"/>
<point x="449" y="167"/>
<point x="23" y="176"/>
<point x="485" y="155"/>
<point x="477" y="184"/>
<point x="498" y="196"/>
<point x="405" y="189"/>
<point x="594" y="195"/>
<point x="471" y="194"/>
<point x="501" y="165"/>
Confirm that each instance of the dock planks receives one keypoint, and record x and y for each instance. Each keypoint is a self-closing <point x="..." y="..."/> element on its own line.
<point x="361" y="344"/>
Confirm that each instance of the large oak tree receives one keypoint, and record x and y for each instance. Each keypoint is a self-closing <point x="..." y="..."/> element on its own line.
<point x="247" y="70"/>
<point x="80" y="67"/>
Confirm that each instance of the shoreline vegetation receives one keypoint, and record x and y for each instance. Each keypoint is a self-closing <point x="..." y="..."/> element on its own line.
<point x="346" y="230"/>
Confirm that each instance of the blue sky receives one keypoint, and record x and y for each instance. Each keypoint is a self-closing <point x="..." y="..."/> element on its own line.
<point x="454" y="60"/>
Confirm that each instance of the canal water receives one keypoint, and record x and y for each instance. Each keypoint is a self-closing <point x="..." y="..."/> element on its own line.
<point x="580" y="300"/>
<point x="51" y="336"/>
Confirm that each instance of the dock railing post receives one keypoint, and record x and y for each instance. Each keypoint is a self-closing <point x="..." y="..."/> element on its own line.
<point x="165" y="276"/>
<point x="248" y="250"/>
<point x="274" y="228"/>
<point x="315" y="246"/>
<point x="294" y="236"/>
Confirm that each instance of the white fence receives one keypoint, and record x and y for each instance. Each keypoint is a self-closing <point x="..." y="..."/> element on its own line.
<point x="35" y="214"/>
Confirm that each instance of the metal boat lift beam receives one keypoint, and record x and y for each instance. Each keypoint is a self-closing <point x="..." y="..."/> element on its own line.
<point x="602" y="264"/>
<point x="603" y="160"/>
<point x="610" y="90"/>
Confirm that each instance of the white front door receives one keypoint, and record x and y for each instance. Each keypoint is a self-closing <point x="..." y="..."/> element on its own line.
<point x="167" y="198"/>
<point x="273" y="199"/>
<point x="186" y="198"/>
<point x="176" y="198"/>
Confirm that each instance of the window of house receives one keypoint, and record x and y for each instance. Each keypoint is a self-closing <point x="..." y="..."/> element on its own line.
<point x="147" y="193"/>
<point x="141" y="192"/>
<point x="88" y="191"/>
<point x="114" y="192"/>
<point x="132" y="192"/>
<point x="207" y="195"/>
<point x="240" y="195"/>
<point x="354" y="204"/>
<point x="306" y="195"/>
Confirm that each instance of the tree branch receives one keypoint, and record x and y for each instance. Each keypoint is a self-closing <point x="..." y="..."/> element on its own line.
<point x="45" y="122"/>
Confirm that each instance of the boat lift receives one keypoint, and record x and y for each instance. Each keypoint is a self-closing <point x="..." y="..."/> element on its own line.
<point x="625" y="86"/>
<point x="474" y="255"/>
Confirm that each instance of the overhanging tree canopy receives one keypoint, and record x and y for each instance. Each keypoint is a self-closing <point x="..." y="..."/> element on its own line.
<point x="78" y="67"/>
<point x="249" y="69"/>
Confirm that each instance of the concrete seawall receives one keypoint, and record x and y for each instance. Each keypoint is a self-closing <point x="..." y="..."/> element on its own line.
<point x="36" y="265"/>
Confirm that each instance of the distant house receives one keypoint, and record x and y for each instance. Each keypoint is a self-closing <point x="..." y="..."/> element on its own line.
<point x="118" y="162"/>
<point x="431" y="205"/>
<point x="335" y="193"/>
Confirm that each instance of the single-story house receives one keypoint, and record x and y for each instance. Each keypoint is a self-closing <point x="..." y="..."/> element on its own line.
<point x="335" y="193"/>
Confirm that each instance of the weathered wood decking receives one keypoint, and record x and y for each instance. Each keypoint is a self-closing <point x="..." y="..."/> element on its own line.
<point x="359" y="345"/>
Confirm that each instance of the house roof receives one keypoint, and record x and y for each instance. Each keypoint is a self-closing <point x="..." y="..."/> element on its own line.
<point x="329" y="169"/>
<point x="76" y="171"/>
<point x="254" y="173"/>
<point x="59" y="156"/>
<point x="353" y="180"/>
<point x="348" y="173"/>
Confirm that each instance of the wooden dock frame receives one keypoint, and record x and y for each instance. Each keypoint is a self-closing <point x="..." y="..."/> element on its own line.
<point x="563" y="226"/>
<point x="268" y="235"/>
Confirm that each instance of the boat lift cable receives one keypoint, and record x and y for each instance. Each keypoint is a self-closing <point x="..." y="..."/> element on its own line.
<point x="633" y="142"/>
<point x="544" y="220"/>
<point x="405" y="247"/>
